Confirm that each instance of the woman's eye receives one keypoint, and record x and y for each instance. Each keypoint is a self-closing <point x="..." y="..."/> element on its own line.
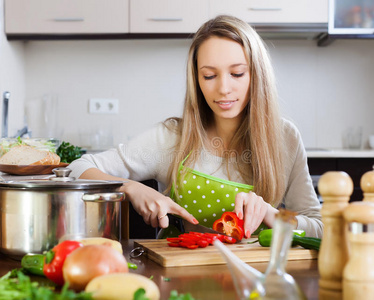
<point x="237" y="75"/>
<point x="209" y="77"/>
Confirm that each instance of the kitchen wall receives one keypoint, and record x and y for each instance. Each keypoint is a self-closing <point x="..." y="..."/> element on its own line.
<point x="12" y="78"/>
<point x="323" y="90"/>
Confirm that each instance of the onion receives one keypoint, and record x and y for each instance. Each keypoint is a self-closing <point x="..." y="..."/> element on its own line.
<point x="90" y="261"/>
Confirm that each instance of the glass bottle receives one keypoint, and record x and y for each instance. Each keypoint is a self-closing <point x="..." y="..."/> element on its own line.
<point x="275" y="283"/>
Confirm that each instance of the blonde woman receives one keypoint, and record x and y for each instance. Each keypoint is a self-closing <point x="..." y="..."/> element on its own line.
<point x="230" y="151"/>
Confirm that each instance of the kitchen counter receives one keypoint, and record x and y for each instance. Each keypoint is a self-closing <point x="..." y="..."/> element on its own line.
<point x="203" y="282"/>
<point x="335" y="153"/>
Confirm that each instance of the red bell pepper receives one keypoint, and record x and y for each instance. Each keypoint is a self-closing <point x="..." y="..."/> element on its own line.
<point x="55" y="258"/>
<point x="193" y="240"/>
<point x="231" y="225"/>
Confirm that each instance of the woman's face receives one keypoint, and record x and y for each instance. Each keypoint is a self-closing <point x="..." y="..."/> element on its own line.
<point x="224" y="79"/>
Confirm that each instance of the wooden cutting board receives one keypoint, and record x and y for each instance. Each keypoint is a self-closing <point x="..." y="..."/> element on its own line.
<point x="161" y="253"/>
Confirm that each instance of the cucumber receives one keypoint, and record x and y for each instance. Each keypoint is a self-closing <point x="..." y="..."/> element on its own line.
<point x="307" y="242"/>
<point x="298" y="239"/>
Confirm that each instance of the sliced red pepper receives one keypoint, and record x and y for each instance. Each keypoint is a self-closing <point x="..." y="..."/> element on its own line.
<point x="173" y="240"/>
<point x="229" y="239"/>
<point x="202" y="243"/>
<point x="55" y="258"/>
<point x="229" y="224"/>
<point x="193" y="240"/>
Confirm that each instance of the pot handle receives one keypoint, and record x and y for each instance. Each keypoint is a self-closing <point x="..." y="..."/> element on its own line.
<point x="103" y="197"/>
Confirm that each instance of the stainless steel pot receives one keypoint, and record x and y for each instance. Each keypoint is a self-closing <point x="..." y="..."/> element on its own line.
<point x="36" y="214"/>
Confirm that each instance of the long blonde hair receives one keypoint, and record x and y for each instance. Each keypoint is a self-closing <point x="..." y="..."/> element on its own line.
<point x="260" y="132"/>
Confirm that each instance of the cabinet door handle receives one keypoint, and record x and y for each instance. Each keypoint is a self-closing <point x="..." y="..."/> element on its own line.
<point x="68" y="19"/>
<point x="166" y="19"/>
<point x="265" y="8"/>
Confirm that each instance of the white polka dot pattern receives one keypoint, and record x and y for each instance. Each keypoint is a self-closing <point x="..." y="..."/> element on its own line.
<point x="207" y="197"/>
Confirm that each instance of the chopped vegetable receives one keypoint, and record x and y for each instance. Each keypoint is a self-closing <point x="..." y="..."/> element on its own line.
<point x="68" y="152"/>
<point x="55" y="258"/>
<point x="140" y="295"/>
<point x="193" y="240"/>
<point x="33" y="263"/>
<point x="132" y="266"/>
<point x="175" y="296"/>
<point x="230" y="224"/>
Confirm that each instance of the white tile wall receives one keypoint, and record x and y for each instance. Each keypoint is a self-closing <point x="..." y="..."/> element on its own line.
<point x="323" y="90"/>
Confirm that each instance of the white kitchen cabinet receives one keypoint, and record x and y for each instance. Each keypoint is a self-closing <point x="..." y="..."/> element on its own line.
<point x="273" y="11"/>
<point x="167" y="16"/>
<point x="66" y="16"/>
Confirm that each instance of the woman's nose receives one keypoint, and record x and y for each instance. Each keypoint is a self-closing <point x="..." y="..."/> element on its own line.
<point x="224" y="85"/>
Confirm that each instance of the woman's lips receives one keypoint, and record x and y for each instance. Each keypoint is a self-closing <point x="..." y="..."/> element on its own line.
<point x="225" y="104"/>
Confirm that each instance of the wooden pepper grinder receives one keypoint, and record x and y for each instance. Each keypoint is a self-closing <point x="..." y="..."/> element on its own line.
<point x="367" y="186"/>
<point x="335" y="189"/>
<point x="358" y="275"/>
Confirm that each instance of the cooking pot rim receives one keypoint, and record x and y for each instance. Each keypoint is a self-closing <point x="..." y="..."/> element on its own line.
<point x="79" y="184"/>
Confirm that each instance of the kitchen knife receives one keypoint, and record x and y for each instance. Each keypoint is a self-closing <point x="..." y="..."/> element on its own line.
<point x="185" y="226"/>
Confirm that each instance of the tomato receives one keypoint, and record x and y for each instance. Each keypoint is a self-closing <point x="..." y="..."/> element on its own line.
<point x="229" y="224"/>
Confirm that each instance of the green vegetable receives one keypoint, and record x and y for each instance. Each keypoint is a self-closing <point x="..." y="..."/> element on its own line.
<point x="68" y="152"/>
<point x="264" y="237"/>
<point x="33" y="264"/>
<point x="307" y="242"/>
<point x="175" y="296"/>
<point x="20" y="287"/>
<point x="132" y="266"/>
<point x="140" y="295"/>
<point x="42" y="144"/>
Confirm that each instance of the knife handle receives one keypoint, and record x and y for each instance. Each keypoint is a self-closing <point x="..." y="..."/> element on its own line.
<point x="177" y="222"/>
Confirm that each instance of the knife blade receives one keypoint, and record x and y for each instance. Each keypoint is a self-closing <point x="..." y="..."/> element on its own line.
<point x="184" y="226"/>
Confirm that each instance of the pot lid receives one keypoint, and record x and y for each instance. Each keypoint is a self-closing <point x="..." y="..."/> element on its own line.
<point x="61" y="180"/>
<point x="79" y="184"/>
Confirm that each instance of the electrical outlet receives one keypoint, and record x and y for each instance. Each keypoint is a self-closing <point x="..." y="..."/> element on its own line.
<point x="103" y="106"/>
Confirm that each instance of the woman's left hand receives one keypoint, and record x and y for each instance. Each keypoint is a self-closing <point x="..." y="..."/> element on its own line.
<point x="254" y="210"/>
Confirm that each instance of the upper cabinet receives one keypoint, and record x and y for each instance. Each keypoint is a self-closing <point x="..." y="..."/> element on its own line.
<point x="273" y="11"/>
<point x="351" y="17"/>
<point x="66" y="16"/>
<point x="25" y="19"/>
<point x="167" y="16"/>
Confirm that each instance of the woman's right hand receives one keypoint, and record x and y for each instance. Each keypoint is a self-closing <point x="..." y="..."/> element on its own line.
<point x="149" y="203"/>
<point x="152" y="205"/>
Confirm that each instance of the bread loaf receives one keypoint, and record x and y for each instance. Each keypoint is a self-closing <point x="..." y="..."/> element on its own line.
<point x="27" y="155"/>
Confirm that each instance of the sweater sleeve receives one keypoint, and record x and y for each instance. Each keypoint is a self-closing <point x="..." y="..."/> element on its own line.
<point x="300" y="195"/>
<point x="147" y="156"/>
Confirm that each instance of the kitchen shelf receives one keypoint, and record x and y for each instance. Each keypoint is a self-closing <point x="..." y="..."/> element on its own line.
<point x="336" y="153"/>
<point x="158" y="19"/>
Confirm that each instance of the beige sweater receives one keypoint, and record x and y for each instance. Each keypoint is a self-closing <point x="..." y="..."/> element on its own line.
<point x="148" y="157"/>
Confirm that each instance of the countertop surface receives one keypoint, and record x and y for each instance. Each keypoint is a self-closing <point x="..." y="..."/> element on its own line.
<point x="203" y="282"/>
<point x="336" y="153"/>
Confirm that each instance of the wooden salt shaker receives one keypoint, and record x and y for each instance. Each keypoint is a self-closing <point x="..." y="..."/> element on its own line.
<point x="367" y="186"/>
<point x="358" y="275"/>
<point x="335" y="189"/>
